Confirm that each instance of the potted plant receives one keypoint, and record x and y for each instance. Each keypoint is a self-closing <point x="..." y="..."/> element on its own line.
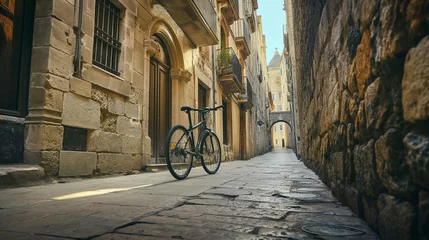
<point x="224" y="61"/>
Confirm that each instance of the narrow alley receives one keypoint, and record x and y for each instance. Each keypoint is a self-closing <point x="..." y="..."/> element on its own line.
<point x="269" y="197"/>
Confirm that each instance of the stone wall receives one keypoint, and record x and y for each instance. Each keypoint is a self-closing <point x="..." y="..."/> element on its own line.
<point x="363" y="73"/>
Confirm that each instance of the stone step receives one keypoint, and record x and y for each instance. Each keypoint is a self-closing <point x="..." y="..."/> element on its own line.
<point x="163" y="166"/>
<point x="156" y="167"/>
<point x="21" y="175"/>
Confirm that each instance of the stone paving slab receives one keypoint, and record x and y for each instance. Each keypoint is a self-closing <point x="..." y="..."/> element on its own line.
<point x="269" y="197"/>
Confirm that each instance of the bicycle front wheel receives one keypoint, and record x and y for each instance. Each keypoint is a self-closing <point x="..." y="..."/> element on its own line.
<point x="177" y="146"/>
<point x="211" y="152"/>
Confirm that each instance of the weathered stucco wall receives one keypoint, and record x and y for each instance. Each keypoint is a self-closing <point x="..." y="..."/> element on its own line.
<point x="363" y="75"/>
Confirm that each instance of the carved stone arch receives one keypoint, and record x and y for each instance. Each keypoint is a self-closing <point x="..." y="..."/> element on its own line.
<point x="161" y="29"/>
<point x="179" y="75"/>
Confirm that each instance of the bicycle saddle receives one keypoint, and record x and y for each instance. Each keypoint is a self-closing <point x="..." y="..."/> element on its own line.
<point x="185" y="108"/>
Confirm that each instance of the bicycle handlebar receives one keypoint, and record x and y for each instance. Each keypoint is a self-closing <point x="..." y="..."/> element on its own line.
<point x="207" y="109"/>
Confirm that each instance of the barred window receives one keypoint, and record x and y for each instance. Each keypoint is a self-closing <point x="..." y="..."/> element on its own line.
<point x="107" y="47"/>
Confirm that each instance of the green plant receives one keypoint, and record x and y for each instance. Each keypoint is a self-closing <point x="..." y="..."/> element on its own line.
<point x="224" y="61"/>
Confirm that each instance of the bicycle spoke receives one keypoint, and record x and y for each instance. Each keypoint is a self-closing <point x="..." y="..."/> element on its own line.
<point x="178" y="160"/>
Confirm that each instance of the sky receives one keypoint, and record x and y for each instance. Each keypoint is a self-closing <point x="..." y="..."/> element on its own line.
<point x="273" y="19"/>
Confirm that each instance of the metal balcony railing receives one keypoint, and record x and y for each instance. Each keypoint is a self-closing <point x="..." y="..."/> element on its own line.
<point x="236" y="6"/>
<point x="249" y="90"/>
<point x="240" y="30"/>
<point x="208" y="12"/>
<point x="228" y="63"/>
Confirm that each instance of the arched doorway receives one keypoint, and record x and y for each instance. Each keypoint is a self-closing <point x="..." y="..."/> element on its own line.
<point x="282" y="135"/>
<point x="159" y="100"/>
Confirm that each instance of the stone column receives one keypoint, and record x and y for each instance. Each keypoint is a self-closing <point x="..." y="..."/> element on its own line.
<point x="150" y="46"/>
<point x="179" y="78"/>
<point x="53" y="49"/>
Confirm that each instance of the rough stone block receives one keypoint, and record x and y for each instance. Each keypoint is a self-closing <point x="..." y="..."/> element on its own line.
<point x="89" y="8"/>
<point x="147" y="145"/>
<point x="52" y="32"/>
<point x="363" y="63"/>
<point x="95" y="76"/>
<point x="88" y="24"/>
<point x="43" y="137"/>
<point x="367" y="180"/>
<point x="417" y="157"/>
<point x="99" y="141"/>
<point x="137" y="161"/>
<point x="415" y="99"/>
<point x="48" y="59"/>
<point x="394" y="38"/>
<point x="137" y="81"/>
<point x="116" y="104"/>
<point x="108" y="121"/>
<point x="131" y="145"/>
<point x="40" y="98"/>
<point x="50" y="81"/>
<point x="146" y="160"/>
<point x="119" y="86"/>
<point x="80" y="112"/>
<point x="132" y="110"/>
<point x="424" y="214"/>
<point x="376" y="106"/>
<point x="354" y="200"/>
<point x="113" y="163"/>
<point x="80" y="87"/>
<point x="77" y="163"/>
<point x="127" y="72"/>
<point x="48" y="160"/>
<point x="397" y="219"/>
<point x="100" y="96"/>
<point x="61" y="9"/>
<point x="129" y="127"/>
<point x="370" y="211"/>
<point x="392" y="170"/>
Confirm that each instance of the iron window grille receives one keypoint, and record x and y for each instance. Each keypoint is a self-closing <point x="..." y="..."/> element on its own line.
<point x="107" y="47"/>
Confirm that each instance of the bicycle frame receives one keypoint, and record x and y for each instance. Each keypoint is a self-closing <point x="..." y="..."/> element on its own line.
<point x="191" y="133"/>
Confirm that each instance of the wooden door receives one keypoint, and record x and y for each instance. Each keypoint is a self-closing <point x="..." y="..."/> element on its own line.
<point x="159" y="103"/>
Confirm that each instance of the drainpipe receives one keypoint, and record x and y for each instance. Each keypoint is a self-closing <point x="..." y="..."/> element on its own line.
<point x="77" y="55"/>
<point x="214" y="83"/>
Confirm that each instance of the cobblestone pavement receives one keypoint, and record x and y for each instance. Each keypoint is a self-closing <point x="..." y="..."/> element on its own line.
<point x="273" y="196"/>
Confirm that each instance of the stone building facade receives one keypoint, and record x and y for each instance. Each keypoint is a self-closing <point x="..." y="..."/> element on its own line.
<point x="361" y="76"/>
<point x="106" y="79"/>
<point x="281" y="132"/>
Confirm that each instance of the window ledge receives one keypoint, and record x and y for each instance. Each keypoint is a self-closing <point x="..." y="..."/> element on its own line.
<point x="107" y="80"/>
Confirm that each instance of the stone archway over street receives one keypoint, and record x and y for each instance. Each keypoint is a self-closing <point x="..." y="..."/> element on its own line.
<point x="283" y="116"/>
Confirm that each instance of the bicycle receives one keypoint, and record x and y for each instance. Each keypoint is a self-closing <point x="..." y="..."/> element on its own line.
<point x="180" y="148"/>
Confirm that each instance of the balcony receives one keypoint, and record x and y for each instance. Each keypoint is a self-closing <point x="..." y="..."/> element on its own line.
<point x="230" y="10"/>
<point x="242" y="37"/>
<point x="251" y="17"/>
<point x="229" y="71"/>
<point x="197" y="18"/>
<point x="246" y="99"/>
<point x="255" y="4"/>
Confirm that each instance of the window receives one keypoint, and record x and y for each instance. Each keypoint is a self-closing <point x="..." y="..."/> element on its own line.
<point x="107" y="47"/>
<point x="275" y="129"/>
<point x="273" y="96"/>
<point x="281" y="127"/>
<point x="16" y="34"/>
<point x="277" y="141"/>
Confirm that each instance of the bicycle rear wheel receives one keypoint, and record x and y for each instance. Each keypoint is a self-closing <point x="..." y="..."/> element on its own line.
<point x="177" y="146"/>
<point x="211" y="151"/>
